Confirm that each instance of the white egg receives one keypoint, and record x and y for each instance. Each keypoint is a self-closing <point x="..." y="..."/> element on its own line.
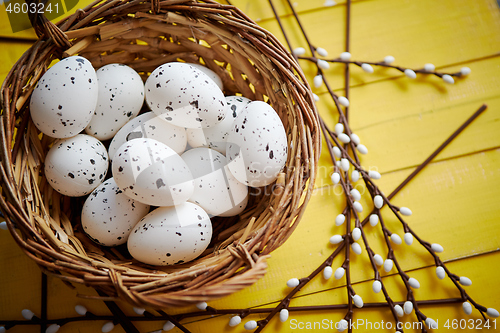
<point x="257" y="145"/>
<point x="215" y="137"/>
<point x="148" y="125"/>
<point x="77" y="165"/>
<point x="214" y="76"/>
<point x="120" y="98"/>
<point x="171" y="235"/>
<point x="108" y="215"/>
<point x="185" y="96"/>
<point x="152" y="173"/>
<point x="215" y="189"/>
<point x="65" y="98"/>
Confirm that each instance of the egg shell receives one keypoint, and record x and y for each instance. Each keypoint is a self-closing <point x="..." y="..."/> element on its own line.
<point x="152" y="173"/>
<point x="257" y="145"/>
<point x="215" y="189"/>
<point x="148" y="125"/>
<point x="171" y="235"/>
<point x="214" y="76"/>
<point x="77" y="165"/>
<point x="64" y="100"/>
<point x="185" y="96"/>
<point x="108" y="215"/>
<point x="215" y="137"/>
<point x="119" y="99"/>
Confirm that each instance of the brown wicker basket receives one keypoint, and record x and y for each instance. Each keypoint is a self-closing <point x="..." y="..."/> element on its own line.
<point x="143" y="35"/>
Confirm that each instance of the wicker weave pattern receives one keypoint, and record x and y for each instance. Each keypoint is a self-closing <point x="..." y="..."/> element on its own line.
<point x="145" y="35"/>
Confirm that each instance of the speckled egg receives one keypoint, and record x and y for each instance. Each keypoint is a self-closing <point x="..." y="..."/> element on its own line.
<point x="185" y="96"/>
<point x="65" y="98"/>
<point x="215" y="189"/>
<point x="214" y="76"/>
<point x="77" y="165"/>
<point x="215" y="137"/>
<point x="148" y="125"/>
<point x="171" y="235"/>
<point x="257" y="145"/>
<point x="152" y="173"/>
<point x="120" y="98"/>
<point x="108" y="215"/>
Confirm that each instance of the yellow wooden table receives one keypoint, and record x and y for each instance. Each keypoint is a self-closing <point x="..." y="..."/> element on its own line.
<point x="454" y="200"/>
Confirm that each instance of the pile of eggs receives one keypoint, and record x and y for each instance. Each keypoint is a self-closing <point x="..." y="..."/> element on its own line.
<point x="191" y="156"/>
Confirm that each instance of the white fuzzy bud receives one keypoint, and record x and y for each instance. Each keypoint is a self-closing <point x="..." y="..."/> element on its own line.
<point x="408" y="238"/>
<point x="52" y="328"/>
<point x="81" y="310"/>
<point x="410" y="73"/>
<point x="374" y="174"/>
<point x="467" y="308"/>
<point x="367" y="68"/>
<point x="343" y="101"/>
<point x="355" y="138"/>
<point x="408" y="307"/>
<point x="339" y="128"/>
<point x="405" y="211"/>
<point x="250" y="325"/>
<point x="356" y="248"/>
<point x="344" y="164"/>
<point x="318" y="80"/>
<point x="139" y="311"/>
<point x="339" y="273"/>
<point x="315" y="97"/>
<point x="234" y="321"/>
<point x="414" y="283"/>
<point x="323" y="64"/>
<point x="322" y="52"/>
<point x="429" y="67"/>
<point x="356" y="234"/>
<point x="345" y="56"/>
<point x="379" y="261"/>
<point x="108" y="327"/>
<point x="440" y="272"/>
<point x="327" y="272"/>
<point x="388" y="264"/>
<point x="358" y="301"/>
<point x="3" y="225"/>
<point x="168" y="326"/>
<point x="354" y="176"/>
<point x="2" y="329"/>
<point x="396" y="239"/>
<point x="431" y="323"/>
<point x="299" y="51"/>
<point x="336" y="152"/>
<point x="284" y="315"/>
<point x="465" y="71"/>
<point x="335" y="178"/>
<point x="335" y="239"/>
<point x="378" y="201"/>
<point x="202" y="306"/>
<point x="399" y="310"/>
<point x="355" y="194"/>
<point x="344" y="138"/>
<point x="329" y="3"/>
<point x="292" y="283"/>
<point x="374" y="220"/>
<point x="437" y="248"/>
<point x="342" y="325"/>
<point x="357" y="206"/>
<point x="362" y="149"/>
<point x="493" y="313"/>
<point x="389" y="59"/>
<point x="377" y="286"/>
<point x="448" y="79"/>
<point x="27" y="314"/>
<point x="340" y="219"/>
<point x="465" y="281"/>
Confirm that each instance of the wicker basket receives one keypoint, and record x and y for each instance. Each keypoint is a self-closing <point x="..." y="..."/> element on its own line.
<point x="144" y="35"/>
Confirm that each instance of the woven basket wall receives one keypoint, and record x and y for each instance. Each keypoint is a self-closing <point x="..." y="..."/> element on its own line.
<point x="144" y="35"/>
